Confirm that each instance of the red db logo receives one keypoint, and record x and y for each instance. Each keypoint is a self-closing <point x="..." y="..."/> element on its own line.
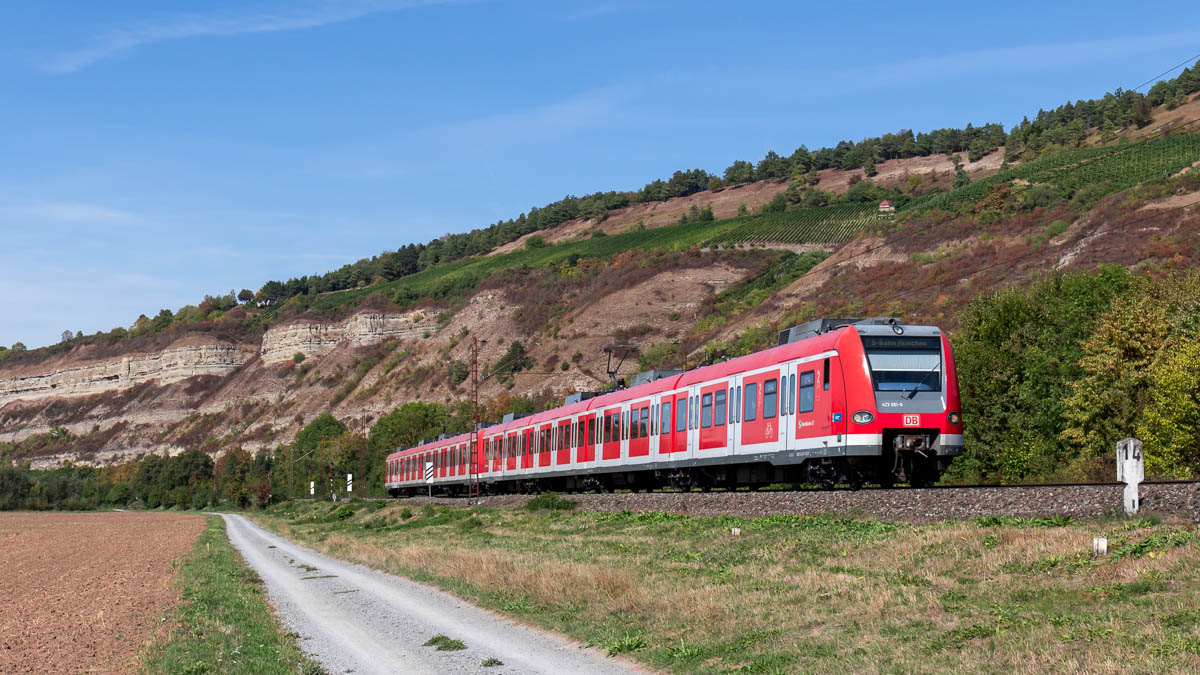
<point x="912" y="420"/>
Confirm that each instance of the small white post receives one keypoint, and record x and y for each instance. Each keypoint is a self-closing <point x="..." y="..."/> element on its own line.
<point x="312" y="488"/>
<point x="1099" y="547"/>
<point x="349" y="482"/>
<point x="1131" y="470"/>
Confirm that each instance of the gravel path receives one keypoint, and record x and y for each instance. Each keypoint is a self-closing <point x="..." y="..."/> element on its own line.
<point x="354" y="619"/>
<point x="1178" y="501"/>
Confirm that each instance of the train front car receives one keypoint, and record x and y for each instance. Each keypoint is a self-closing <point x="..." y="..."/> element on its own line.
<point x="905" y="416"/>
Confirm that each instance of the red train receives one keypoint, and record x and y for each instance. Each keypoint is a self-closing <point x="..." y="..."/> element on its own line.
<point x="838" y="401"/>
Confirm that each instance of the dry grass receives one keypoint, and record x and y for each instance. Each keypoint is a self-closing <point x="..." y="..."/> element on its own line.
<point x="806" y="594"/>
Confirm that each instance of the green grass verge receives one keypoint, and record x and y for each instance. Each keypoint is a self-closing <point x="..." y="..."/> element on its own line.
<point x="223" y="623"/>
<point x="802" y="593"/>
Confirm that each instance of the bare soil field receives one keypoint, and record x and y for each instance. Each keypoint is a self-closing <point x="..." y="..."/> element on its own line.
<point x="83" y="592"/>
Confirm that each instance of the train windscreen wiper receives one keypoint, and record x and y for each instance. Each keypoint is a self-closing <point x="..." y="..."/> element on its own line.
<point x="936" y="368"/>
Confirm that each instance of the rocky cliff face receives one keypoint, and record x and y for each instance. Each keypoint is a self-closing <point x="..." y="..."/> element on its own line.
<point x="282" y="343"/>
<point x="168" y="366"/>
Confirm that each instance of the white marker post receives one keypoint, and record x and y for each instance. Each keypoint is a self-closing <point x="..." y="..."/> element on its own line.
<point x="429" y="477"/>
<point x="349" y="482"/>
<point x="1131" y="470"/>
<point x="312" y="488"/>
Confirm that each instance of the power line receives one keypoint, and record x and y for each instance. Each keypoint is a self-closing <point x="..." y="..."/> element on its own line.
<point x="1165" y="72"/>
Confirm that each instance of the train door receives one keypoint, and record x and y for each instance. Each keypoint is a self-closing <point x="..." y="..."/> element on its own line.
<point x="588" y="450"/>
<point x="760" y="410"/>
<point x="814" y="393"/>
<point x="666" y="423"/>
<point x="562" y="446"/>
<point x="611" y="443"/>
<point x="639" y="429"/>
<point x="713" y="435"/>
<point x="679" y="430"/>
<point x="544" y="437"/>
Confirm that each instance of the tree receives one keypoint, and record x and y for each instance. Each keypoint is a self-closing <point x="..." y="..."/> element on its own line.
<point x="407" y="425"/>
<point x="514" y="359"/>
<point x="18" y="347"/>
<point x="67" y="336"/>
<point x="245" y="295"/>
<point x="14" y="488"/>
<point x="323" y="427"/>
<point x="458" y="372"/>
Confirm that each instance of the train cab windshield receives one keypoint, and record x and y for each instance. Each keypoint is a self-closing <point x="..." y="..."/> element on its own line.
<point x="904" y="363"/>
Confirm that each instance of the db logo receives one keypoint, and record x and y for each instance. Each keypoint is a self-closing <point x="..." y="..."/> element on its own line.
<point x="770" y="429"/>
<point x="912" y="420"/>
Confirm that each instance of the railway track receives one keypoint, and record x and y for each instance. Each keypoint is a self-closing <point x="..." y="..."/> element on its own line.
<point x="1174" y="500"/>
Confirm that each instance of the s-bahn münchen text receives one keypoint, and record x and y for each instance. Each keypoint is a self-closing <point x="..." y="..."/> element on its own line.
<point x="839" y="401"/>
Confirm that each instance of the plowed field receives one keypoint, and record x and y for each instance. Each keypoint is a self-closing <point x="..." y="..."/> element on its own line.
<point x="83" y="592"/>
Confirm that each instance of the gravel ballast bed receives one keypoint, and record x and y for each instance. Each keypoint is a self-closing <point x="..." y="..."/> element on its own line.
<point x="1180" y="501"/>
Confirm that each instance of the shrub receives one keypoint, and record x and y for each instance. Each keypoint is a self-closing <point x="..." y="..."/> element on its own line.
<point x="298" y="358"/>
<point x="550" y="501"/>
<point x="535" y="241"/>
<point x="200" y="499"/>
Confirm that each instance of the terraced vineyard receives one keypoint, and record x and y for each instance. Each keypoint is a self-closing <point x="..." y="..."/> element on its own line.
<point x="824" y="225"/>
<point x="1116" y="168"/>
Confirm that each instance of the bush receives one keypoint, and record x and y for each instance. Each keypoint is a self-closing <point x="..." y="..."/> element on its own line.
<point x="298" y="357"/>
<point x="550" y="501"/>
<point x="535" y="241"/>
<point x="200" y="499"/>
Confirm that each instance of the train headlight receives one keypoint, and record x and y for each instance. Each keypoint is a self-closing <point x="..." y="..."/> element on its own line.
<point x="862" y="417"/>
<point x="898" y="329"/>
<point x="954" y="418"/>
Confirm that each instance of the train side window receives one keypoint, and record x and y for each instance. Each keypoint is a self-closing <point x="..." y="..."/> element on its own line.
<point x="792" y="394"/>
<point x="706" y="411"/>
<point x="719" y="412"/>
<point x="681" y="415"/>
<point x="664" y="420"/>
<point x="737" y="408"/>
<point x="750" y="411"/>
<point x="634" y="429"/>
<point x="770" y="395"/>
<point x="825" y="379"/>
<point x="806" y="391"/>
<point x="645" y="422"/>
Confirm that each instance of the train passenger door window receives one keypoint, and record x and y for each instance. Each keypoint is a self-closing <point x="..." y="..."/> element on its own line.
<point x="825" y="379"/>
<point x="719" y="409"/>
<point x="645" y="421"/>
<point x="633" y="433"/>
<point x="681" y="415"/>
<point x="770" y="395"/>
<point x="750" y="411"/>
<point x="664" y="422"/>
<point x="792" y="395"/>
<point x="737" y="409"/>
<point x="807" y="393"/>
<point x="706" y="411"/>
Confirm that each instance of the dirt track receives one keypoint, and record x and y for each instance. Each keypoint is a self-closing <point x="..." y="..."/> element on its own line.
<point x="83" y="591"/>
<point x="356" y="620"/>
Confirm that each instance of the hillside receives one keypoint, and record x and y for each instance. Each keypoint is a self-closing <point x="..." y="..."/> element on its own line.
<point x="684" y="280"/>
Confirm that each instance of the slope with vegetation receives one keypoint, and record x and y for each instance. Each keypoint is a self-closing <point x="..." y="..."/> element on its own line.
<point x="1038" y="232"/>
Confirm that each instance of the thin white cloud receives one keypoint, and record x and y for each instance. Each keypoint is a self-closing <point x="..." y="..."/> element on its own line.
<point x="267" y="20"/>
<point x="71" y="213"/>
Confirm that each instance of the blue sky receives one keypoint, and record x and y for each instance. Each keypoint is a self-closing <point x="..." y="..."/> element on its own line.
<point x="153" y="152"/>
